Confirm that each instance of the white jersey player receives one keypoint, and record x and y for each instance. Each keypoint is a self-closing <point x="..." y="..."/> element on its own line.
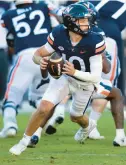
<point x="30" y="24"/>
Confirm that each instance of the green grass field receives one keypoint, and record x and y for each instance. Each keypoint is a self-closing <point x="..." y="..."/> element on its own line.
<point x="61" y="149"/>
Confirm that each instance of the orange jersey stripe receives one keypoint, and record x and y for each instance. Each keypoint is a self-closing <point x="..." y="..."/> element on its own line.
<point x="12" y="78"/>
<point x="51" y="14"/>
<point x="100" y="48"/>
<point x="114" y="67"/>
<point x="50" y="41"/>
<point x="3" y="25"/>
<point x="105" y="93"/>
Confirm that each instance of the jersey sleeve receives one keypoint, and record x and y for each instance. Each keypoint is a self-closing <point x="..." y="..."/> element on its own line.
<point x="98" y="30"/>
<point x="5" y="21"/>
<point x="100" y="46"/>
<point x="2" y="21"/>
<point x="53" y="37"/>
<point x="50" y="39"/>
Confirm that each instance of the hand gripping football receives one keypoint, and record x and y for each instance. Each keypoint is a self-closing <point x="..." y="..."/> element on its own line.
<point x="55" y="65"/>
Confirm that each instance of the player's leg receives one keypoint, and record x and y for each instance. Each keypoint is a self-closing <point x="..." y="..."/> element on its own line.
<point x="15" y="90"/>
<point x="117" y="106"/>
<point x="56" y="91"/>
<point x="37" y="90"/>
<point x="57" y="117"/>
<point x="80" y="101"/>
<point x="50" y="127"/>
<point x="97" y="108"/>
<point x="98" y="105"/>
<point x="13" y="98"/>
<point x="115" y="98"/>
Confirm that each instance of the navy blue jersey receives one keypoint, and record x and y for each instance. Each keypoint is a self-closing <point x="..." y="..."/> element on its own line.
<point x="98" y="30"/>
<point x="29" y="24"/>
<point x="90" y="45"/>
<point x="4" y="6"/>
<point x="112" y="9"/>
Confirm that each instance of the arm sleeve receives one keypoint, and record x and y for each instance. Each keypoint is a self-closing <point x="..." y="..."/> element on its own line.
<point x="50" y="40"/>
<point x="4" y="22"/>
<point x="49" y="48"/>
<point x="100" y="47"/>
<point x="96" y="70"/>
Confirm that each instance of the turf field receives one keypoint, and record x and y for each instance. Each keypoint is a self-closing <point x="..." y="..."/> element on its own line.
<point x="61" y="149"/>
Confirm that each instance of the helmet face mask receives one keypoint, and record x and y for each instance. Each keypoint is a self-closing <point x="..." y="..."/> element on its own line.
<point x="72" y="15"/>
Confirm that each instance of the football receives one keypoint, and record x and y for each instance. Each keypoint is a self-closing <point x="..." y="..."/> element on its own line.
<point x="55" y="65"/>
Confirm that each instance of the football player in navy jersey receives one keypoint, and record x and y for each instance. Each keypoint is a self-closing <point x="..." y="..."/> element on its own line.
<point x="30" y="25"/>
<point x="81" y="73"/>
<point x="112" y="75"/>
<point x="112" y="21"/>
<point x="99" y="105"/>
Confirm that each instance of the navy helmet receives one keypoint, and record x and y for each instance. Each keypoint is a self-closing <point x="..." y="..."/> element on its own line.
<point x="92" y="10"/>
<point x="74" y="12"/>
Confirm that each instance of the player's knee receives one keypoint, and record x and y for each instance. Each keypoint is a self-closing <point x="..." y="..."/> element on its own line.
<point x="44" y="108"/>
<point x="73" y="118"/>
<point x="75" y="115"/>
<point x="75" y="112"/>
<point x="76" y="119"/>
<point x="117" y="93"/>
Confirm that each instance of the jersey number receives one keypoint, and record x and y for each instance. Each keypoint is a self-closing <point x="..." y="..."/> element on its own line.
<point x="76" y="58"/>
<point x="27" y="29"/>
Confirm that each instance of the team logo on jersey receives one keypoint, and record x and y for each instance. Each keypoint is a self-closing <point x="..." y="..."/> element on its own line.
<point x="61" y="48"/>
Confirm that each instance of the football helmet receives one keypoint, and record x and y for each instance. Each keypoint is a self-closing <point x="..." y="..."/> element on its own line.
<point x="92" y="10"/>
<point x="74" y="12"/>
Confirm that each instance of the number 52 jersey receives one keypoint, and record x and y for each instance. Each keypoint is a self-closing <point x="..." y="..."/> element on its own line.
<point x="29" y="24"/>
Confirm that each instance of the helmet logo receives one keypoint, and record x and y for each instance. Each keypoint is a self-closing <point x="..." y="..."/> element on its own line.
<point x="87" y="5"/>
<point x="68" y="9"/>
<point x="61" y="48"/>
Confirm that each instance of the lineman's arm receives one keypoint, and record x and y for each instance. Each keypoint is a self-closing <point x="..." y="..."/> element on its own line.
<point x="106" y="63"/>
